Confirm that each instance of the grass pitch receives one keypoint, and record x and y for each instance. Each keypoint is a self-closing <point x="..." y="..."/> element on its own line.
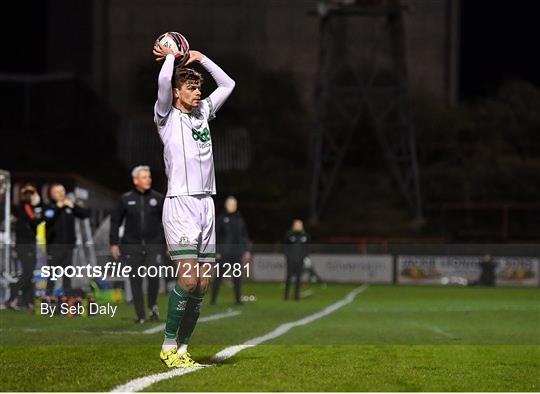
<point x="390" y="338"/>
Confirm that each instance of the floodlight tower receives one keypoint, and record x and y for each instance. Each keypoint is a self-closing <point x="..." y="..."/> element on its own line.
<point x="362" y="77"/>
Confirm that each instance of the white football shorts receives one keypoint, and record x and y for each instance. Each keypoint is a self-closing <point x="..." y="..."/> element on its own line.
<point x="189" y="225"/>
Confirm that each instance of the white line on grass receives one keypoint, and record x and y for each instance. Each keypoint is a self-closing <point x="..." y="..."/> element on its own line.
<point x="306" y="293"/>
<point x="434" y="328"/>
<point x="217" y="316"/>
<point x="141" y="383"/>
<point x="152" y="330"/>
<point x="486" y="308"/>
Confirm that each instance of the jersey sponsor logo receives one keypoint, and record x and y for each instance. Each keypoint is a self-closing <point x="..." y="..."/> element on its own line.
<point x="201" y="135"/>
<point x="68" y="211"/>
<point x="152" y="202"/>
<point x="132" y="202"/>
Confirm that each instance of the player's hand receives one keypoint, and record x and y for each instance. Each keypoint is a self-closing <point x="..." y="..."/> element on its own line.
<point x="68" y="203"/>
<point x="194" y="56"/>
<point x="160" y="52"/>
<point x="115" y="251"/>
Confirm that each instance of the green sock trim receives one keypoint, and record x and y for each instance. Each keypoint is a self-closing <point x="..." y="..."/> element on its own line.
<point x="178" y="300"/>
<point x="191" y="316"/>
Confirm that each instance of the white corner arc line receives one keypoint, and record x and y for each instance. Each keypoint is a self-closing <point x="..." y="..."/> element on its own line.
<point x="141" y="383"/>
<point x="217" y="316"/>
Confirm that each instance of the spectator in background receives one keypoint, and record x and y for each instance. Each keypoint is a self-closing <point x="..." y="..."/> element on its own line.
<point x="296" y="250"/>
<point x="61" y="235"/>
<point x="233" y="246"/>
<point x="29" y="215"/>
<point x="488" y="267"/>
<point x="143" y="240"/>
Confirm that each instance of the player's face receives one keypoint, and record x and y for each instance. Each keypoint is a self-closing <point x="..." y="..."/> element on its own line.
<point x="189" y="93"/>
<point x="58" y="193"/>
<point x="143" y="180"/>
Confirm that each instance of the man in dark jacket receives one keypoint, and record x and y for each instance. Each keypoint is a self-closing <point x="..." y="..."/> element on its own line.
<point x="296" y="250"/>
<point x="29" y="214"/>
<point x="232" y="245"/>
<point x="143" y="239"/>
<point x="61" y="232"/>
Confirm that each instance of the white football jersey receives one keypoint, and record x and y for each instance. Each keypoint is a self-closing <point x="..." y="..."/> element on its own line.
<point x="189" y="162"/>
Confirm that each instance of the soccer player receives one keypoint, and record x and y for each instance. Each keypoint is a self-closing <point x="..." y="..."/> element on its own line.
<point x="181" y="117"/>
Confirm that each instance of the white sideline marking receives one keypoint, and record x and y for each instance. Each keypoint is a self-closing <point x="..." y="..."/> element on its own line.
<point x="217" y="316"/>
<point x="224" y="354"/>
<point x="141" y="383"/>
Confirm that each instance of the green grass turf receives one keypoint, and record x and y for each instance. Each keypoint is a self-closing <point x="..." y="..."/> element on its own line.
<point x="391" y="338"/>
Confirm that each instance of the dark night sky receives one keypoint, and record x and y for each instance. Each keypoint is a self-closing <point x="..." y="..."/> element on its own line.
<point x="499" y="41"/>
<point x="24" y="32"/>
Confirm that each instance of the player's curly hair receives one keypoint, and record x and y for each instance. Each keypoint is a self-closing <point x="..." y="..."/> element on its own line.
<point x="182" y="75"/>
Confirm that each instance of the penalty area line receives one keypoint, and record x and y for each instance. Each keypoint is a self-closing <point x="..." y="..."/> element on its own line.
<point x="142" y="383"/>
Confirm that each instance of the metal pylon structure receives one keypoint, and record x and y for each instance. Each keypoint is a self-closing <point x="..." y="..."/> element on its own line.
<point x="362" y="75"/>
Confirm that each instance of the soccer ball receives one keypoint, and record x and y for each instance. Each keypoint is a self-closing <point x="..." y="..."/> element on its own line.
<point x="179" y="45"/>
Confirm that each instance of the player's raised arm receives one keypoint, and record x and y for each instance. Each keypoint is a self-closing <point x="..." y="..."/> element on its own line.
<point x="164" y="100"/>
<point x="224" y="82"/>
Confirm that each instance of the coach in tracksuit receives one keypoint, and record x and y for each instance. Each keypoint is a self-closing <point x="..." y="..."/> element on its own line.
<point x="143" y="240"/>
<point x="233" y="246"/>
<point x="296" y="250"/>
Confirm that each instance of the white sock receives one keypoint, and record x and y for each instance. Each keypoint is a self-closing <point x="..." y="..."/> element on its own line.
<point x="168" y="344"/>
<point x="182" y="349"/>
